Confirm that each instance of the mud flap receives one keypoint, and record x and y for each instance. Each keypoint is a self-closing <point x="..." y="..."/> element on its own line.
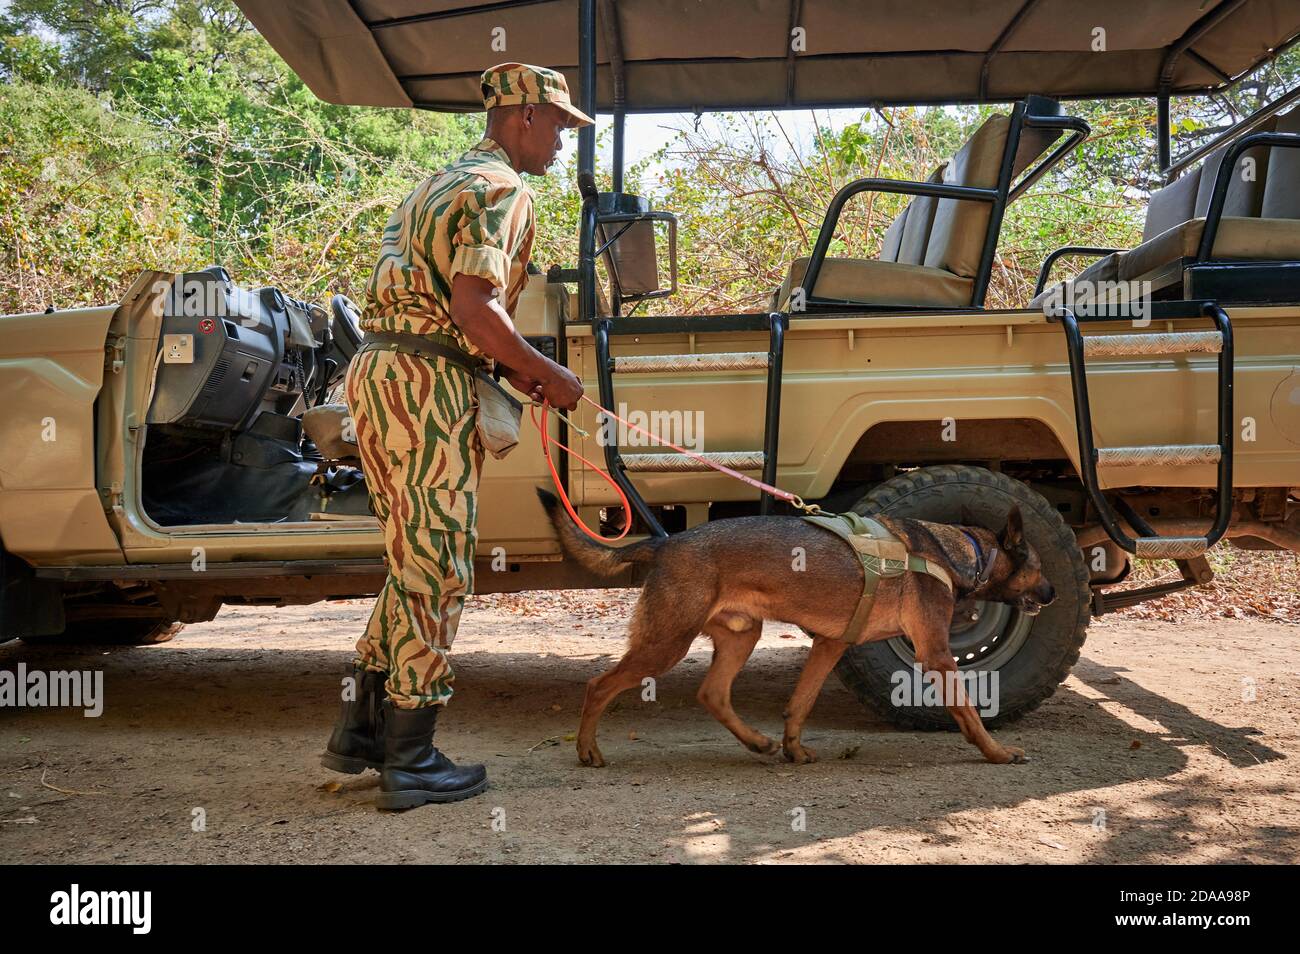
<point x="28" y="606"/>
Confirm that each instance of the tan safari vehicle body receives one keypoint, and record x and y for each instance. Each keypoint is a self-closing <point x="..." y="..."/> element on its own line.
<point x="155" y="465"/>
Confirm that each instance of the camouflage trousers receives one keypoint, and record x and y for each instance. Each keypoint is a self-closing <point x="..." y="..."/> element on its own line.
<point x="415" y="428"/>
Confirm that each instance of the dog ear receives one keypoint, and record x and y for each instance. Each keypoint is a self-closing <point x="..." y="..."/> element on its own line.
<point x="1012" y="538"/>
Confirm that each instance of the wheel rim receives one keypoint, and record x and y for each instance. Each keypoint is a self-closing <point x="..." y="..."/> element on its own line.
<point x="986" y="642"/>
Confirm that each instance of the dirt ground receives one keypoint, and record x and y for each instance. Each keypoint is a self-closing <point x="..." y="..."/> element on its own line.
<point x="1148" y="753"/>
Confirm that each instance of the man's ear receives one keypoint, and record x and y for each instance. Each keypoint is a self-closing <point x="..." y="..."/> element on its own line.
<point x="1013" y="537"/>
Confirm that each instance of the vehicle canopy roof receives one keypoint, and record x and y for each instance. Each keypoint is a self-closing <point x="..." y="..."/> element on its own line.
<point x="702" y="55"/>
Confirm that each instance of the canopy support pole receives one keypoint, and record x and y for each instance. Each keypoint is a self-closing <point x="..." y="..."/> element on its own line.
<point x="619" y="123"/>
<point x="1163" y="146"/>
<point x="1189" y="39"/>
<point x="796" y="13"/>
<point x="587" y="160"/>
<point x="999" y="43"/>
<point x="614" y="46"/>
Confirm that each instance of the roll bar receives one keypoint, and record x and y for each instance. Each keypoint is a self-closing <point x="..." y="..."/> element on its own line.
<point x="1255" y="119"/>
<point x="1227" y="169"/>
<point x="1062" y="252"/>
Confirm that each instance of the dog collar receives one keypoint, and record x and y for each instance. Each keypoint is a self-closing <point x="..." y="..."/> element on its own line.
<point x="983" y="564"/>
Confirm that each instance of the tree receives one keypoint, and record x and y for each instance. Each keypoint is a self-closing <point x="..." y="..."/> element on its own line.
<point x="168" y="134"/>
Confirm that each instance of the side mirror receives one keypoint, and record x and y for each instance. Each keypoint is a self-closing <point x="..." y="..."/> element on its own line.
<point x="625" y="235"/>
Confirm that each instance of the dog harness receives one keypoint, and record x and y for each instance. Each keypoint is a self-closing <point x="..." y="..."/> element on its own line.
<point x="882" y="555"/>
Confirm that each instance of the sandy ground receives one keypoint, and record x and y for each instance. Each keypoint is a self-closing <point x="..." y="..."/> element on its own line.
<point x="1148" y="753"/>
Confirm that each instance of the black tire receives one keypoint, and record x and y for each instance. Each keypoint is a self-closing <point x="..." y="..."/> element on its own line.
<point x="112" y="632"/>
<point x="1035" y="653"/>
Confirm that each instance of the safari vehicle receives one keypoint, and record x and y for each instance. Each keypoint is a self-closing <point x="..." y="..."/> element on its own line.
<point x="154" y="461"/>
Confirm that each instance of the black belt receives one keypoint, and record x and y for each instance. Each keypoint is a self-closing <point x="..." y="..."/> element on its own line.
<point x="424" y="346"/>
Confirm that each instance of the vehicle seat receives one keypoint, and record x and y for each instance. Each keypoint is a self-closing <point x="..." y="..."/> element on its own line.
<point x="931" y="252"/>
<point x="898" y="276"/>
<point x="1261" y="219"/>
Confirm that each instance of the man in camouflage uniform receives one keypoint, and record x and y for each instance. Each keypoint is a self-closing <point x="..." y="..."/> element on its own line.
<point x="452" y="264"/>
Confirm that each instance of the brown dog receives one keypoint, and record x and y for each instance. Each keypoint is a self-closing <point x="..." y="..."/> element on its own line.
<point x="724" y="578"/>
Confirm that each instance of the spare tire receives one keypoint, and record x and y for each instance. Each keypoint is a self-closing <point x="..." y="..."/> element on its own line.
<point x="1032" y="655"/>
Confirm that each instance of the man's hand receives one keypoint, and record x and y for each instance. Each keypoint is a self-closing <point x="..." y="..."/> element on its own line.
<point x="524" y="384"/>
<point x="562" y="389"/>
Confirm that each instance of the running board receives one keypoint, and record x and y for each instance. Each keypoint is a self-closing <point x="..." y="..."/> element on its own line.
<point x="1195" y="572"/>
<point x="1171" y="548"/>
<point x="1174" y="342"/>
<point x="661" y="363"/>
<point x="684" y="464"/>
<point x="1159" y="455"/>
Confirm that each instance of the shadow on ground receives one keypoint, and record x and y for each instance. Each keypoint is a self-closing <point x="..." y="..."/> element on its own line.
<point x="231" y="735"/>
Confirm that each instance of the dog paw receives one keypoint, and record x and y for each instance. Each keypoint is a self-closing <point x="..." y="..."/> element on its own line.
<point x="798" y="754"/>
<point x="1010" y="755"/>
<point x="590" y="756"/>
<point x="765" y="747"/>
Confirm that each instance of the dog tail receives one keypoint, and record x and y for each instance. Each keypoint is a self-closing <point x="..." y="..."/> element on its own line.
<point x="604" y="561"/>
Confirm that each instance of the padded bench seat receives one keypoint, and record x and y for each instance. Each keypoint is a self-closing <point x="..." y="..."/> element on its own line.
<point x="1238" y="238"/>
<point x="1260" y="222"/>
<point x="1159" y="259"/>
<point x="869" y="279"/>
<point x="933" y="250"/>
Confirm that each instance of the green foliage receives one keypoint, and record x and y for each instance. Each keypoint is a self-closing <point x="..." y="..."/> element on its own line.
<point x="27" y="58"/>
<point x="167" y="134"/>
<point x="88" y="199"/>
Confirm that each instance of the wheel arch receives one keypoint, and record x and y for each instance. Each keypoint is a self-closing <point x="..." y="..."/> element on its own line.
<point x="915" y="432"/>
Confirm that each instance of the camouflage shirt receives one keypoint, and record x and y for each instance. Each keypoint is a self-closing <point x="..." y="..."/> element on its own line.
<point x="475" y="217"/>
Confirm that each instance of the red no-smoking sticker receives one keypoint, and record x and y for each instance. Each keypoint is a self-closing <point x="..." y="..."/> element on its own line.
<point x="207" y="326"/>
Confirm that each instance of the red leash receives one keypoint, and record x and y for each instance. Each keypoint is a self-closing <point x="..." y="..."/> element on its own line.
<point x="547" y="440"/>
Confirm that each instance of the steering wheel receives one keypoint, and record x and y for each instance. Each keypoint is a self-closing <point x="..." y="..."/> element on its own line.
<point x="347" y="324"/>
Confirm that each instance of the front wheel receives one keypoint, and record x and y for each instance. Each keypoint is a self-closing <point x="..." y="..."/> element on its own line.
<point x="1031" y="655"/>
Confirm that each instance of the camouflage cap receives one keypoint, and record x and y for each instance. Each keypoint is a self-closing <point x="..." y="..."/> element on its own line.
<point x="514" y="84"/>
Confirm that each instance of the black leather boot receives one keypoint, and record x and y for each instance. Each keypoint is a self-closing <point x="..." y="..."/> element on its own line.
<point x="357" y="742"/>
<point x="414" y="771"/>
